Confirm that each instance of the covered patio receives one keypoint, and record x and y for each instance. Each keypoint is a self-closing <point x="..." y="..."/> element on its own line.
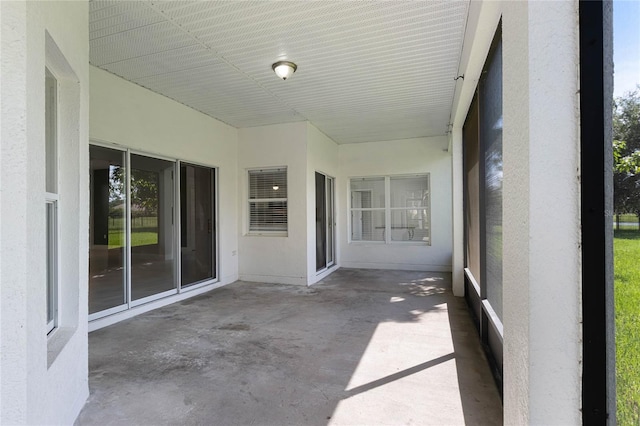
<point x="188" y="239"/>
<point x="360" y="347"/>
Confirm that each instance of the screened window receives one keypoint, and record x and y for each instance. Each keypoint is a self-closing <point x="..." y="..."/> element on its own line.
<point x="390" y="209"/>
<point x="368" y="214"/>
<point x="268" y="200"/>
<point x="51" y="197"/>
<point x="410" y="208"/>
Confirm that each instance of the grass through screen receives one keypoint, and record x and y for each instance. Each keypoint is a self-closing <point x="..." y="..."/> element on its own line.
<point x="627" y="222"/>
<point x="627" y="300"/>
<point x="144" y="231"/>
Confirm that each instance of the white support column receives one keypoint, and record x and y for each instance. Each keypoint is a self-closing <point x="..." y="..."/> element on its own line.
<point x="14" y="271"/>
<point x="457" y="261"/>
<point x="541" y="224"/>
<point x="44" y="376"/>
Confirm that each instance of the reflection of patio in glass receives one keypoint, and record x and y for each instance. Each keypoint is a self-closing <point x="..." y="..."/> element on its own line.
<point x="107" y="286"/>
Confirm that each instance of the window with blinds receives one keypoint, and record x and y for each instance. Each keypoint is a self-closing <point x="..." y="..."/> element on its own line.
<point x="391" y="209"/>
<point x="268" y="200"/>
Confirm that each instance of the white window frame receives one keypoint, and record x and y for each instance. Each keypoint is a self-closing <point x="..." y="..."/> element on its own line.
<point x="388" y="210"/>
<point x="275" y="233"/>
<point x="371" y="209"/>
<point x="51" y="202"/>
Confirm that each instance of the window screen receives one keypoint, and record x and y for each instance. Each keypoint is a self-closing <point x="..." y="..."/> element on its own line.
<point x="410" y="208"/>
<point x="390" y="209"/>
<point x="368" y="209"/>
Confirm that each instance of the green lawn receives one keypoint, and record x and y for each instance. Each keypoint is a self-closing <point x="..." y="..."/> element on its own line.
<point x="144" y="231"/>
<point x="627" y="222"/>
<point x="628" y="218"/>
<point x="627" y="295"/>
<point x="139" y="237"/>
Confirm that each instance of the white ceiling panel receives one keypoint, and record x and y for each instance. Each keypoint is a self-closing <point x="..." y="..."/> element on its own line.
<point x="367" y="70"/>
<point x="165" y="62"/>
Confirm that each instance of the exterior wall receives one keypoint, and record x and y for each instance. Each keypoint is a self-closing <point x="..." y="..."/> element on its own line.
<point x="128" y="115"/>
<point x="323" y="157"/>
<point x="543" y="311"/>
<point x="275" y="259"/>
<point x="457" y="212"/>
<point x="422" y="155"/>
<point x="541" y="225"/>
<point x="42" y="379"/>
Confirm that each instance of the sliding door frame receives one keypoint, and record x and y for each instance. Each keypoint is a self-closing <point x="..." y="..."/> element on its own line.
<point x="127" y="252"/>
<point x="166" y="293"/>
<point x="178" y="289"/>
<point x="215" y="241"/>
<point x="330" y="219"/>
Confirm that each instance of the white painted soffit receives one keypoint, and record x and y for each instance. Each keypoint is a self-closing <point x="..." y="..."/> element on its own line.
<point x="367" y="70"/>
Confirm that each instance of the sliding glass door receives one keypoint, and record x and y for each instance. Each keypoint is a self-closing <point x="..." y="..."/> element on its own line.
<point x="324" y="222"/>
<point x="107" y="229"/>
<point x="330" y="222"/>
<point x="197" y="230"/>
<point x="152" y="227"/>
<point x="137" y="229"/>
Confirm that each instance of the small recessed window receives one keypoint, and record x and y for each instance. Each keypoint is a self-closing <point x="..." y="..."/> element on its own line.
<point x="268" y="201"/>
<point x="51" y="198"/>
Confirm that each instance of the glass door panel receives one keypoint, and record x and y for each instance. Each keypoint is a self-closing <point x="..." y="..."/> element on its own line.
<point x="152" y="228"/>
<point x="325" y="237"/>
<point x="197" y="226"/>
<point x="330" y="222"/>
<point x="107" y="230"/>
<point x="321" y="223"/>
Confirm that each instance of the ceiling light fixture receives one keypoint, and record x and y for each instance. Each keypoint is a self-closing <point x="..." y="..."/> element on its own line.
<point x="284" y="69"/>
<point x="276" y="187"/>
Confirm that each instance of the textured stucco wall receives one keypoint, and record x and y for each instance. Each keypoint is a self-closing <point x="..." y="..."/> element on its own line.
<point x="541" y="216"/>
<point x="43" y="380"/>
<point x="457" y="212"/>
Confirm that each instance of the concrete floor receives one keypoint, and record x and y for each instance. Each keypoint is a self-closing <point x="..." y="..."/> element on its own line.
<point x="362" y="347"/>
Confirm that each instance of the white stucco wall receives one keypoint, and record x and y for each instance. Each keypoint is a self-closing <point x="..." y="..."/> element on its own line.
<point x="323" y="157"/>
<point x="541" y="220"/>
<point x="126" y="114"/>
<point x="275" y="259"/>
<point x="457" y="212"/>
<point x="541" y="214"/>
<point x="43" y="380"/>
<point x="422" y="155"/>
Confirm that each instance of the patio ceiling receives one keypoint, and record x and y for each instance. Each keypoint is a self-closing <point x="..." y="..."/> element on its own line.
<point x="367" y="71"/>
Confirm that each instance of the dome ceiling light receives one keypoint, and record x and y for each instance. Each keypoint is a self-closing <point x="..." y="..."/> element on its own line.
<point x="284" y="69"/>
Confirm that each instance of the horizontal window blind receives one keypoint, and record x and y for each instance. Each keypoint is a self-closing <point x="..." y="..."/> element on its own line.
<point x="268" y="200"/>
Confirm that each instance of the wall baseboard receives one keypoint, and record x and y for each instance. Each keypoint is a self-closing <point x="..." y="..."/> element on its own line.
<point x="273" y="279"/>
<point x="397" y="266"/>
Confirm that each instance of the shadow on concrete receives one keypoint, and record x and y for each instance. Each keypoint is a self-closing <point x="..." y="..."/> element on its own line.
<point x="397" y="376"/>
<point x="360" y="347"/>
